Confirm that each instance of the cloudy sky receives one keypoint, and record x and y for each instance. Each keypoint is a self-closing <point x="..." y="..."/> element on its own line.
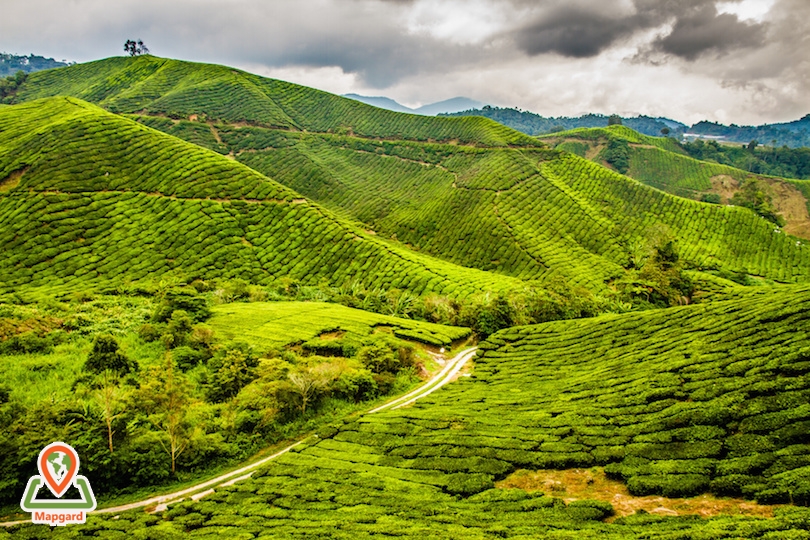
<point x="741" y="61"/>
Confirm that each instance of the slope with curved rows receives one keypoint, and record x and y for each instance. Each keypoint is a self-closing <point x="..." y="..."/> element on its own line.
<point x="91" y="197"/>
<point x="161" y="86"/>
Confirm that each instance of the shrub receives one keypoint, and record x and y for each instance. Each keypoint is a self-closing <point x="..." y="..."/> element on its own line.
<point x="468" y="484"/>
<point x="105" y="355"/>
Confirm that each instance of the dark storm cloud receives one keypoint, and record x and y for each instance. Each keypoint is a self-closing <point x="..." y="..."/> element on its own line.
<point x="573" y="32"/>
<point x="578" y="30"/>
<point x="705" y="30"/>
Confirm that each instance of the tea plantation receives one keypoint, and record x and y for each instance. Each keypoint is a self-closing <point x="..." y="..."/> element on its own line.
<point x="90" y="198"/>
<point x="136" y="193"/>
<point x="319" y="325"/>
<point x="712" y="397"/>
<point x="466" y="190"/>
<point x="664" y="164"/>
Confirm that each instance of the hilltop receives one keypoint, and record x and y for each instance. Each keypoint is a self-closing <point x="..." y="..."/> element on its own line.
<point x="158" y="86"/>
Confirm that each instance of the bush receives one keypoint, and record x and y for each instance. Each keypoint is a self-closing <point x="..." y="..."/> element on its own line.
<point x="26" y="343"/>
<point x="468" y="484"/>
<point x="712" y="198"/>
<point x="105" y="355"/>
<point x="187" y="300"/>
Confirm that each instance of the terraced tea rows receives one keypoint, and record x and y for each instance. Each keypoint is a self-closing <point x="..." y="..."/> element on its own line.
<point x="661" y="163"/>
<point x="545" y="215"/>
<point x="274" y="324"/>
<point x="99" y="198"/>
<point x="712" y="397"/>
<point x="178" y="89"/>
<point x="514" y="211"/>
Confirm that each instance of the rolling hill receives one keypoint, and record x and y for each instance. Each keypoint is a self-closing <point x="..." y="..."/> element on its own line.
<point x="93" y="198"/>
<point x="663" y="164"/>
<point x="158" y="86"/>
<point x="465" y="190"/>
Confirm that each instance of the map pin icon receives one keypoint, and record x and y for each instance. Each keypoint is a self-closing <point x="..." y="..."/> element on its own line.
<point x="58" y="463"/>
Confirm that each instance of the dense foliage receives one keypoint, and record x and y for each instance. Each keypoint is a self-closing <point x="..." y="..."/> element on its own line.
<point x="793" y="134"/>
<point x="149" y="394"/>
<point x="12" y="63"/>
<point x="774" y="161"/>
<point x="534" y="124"/>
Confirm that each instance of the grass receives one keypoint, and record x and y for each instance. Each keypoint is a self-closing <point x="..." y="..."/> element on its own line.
<point x="275" y="324"/>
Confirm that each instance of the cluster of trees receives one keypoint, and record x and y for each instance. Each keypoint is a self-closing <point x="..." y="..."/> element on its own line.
<point x="756" y="195"/>
<point x="175" y="400"/>
<point x="617" y="154"/>
<point x="12" y="63"/>
<point x="534" y="124"/>
<point x="771" y="160"/>
<point x="135" y="48"/>
<point x="655" y="275"/>
<point x="10" y="85"/>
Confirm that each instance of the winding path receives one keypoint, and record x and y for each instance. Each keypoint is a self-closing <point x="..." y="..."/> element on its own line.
<point x="198" y="491"/>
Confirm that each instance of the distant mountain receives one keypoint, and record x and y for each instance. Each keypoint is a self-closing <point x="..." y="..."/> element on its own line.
<point x="12" y="63"/>
<point x="447" y="106"/>
<point x="534" y="124"/>
<point x="792" y="134"/>
<point x="381" y="102"/>
<point x="452" y="105"/>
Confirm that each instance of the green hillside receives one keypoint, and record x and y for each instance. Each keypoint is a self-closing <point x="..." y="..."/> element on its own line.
<point x="485" y="197"/>
<point x="159" y="86"/>
<point x="319" y="325"/>
<point x="529" y="213"/>
<point x="88" y="197"/>
<point x="662" y="163"/>
<point x="705" y="398"/>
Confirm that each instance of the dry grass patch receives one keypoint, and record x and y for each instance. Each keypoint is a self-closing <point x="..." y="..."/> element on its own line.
<point x="575" y="484"/>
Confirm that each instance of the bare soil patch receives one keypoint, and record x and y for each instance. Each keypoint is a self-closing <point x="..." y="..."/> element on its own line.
<point x="574" y="484"/>
<point x="725" y="186"/>
<point x="13" y="180"/>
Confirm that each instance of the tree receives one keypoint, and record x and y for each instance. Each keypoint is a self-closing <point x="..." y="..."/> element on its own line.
<point x="109" y="395"/>
<point x="614" y="120"/>
<point x="106" y="356"/>
<point x="164" y="397"/>
<point x="135" y="48"/>
<point x="752" y="145"/>
<point x="308" y="382"/>
<point x="665" y="131"/>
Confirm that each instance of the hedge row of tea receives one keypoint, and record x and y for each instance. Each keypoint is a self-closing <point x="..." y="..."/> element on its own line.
<point x="710" y="236"/>
<point x="266" y="325"/>
<point x="183" y="89"/>
<point x="532" y="214"/>
<point x="712" y="397"/>
<point x="102" y="198"/>
<point x="674" y="173"/>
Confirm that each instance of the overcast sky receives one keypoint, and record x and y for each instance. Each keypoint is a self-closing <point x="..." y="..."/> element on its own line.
<point x="741" y="61"/>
